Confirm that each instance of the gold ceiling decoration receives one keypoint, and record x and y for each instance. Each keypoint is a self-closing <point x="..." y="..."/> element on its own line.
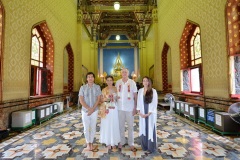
<point x="101" y="20"/>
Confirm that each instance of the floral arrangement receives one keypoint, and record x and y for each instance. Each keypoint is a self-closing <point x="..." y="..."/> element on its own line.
<point x="128" y="94"/>
<point x="104" y="108"/>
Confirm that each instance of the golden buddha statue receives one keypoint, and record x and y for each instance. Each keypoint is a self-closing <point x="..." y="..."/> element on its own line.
<point x="117" y="67"/>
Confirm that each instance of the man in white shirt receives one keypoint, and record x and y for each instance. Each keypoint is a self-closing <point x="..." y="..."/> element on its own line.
<point x="127" y="103"/>
<point x="89" y="97"/>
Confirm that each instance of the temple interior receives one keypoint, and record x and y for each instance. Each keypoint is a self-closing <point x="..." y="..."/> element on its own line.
<point x="190" y="50"/>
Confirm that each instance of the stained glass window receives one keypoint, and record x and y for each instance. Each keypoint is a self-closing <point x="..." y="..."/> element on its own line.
<point x="37" y="49"/>
<point x="37" y="59"/>
<point x="195" y="44"/>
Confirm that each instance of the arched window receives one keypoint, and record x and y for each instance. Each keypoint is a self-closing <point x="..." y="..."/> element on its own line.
<point x="191" y="59"/>
<point x="233" y="36"/>
<point x="166" y="69"/>
<point x="68" y="72"/>
<point x="41" y="61"/>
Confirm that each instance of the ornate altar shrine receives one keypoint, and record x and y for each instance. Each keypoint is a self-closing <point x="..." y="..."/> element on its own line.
<point x="117" y="67"/>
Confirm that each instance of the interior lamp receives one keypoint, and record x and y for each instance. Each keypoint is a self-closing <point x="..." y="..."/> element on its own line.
<point x="117" y="37"/>
<point x="116" y="5"/>
<point x="102" y="76"/>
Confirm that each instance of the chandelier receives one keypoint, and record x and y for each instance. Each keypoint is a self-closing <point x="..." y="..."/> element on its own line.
<point x="116" y="5"/>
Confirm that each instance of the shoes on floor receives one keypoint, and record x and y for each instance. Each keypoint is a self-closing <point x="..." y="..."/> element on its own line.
<point x="133" y="149"/>
<point x="148" y="152"/>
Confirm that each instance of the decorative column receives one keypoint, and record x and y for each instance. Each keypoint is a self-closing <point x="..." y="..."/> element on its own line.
<point x="101" y="61"/>
<point x="91" y="57"/>
<point x="141" y="54"/>
<point x="144" y="55"/>
<point x="136" y="61"/>
<point x="95" y="52"/>
<point x="77" y="82"/>
<point x="140" y="58"/>
<point x="158" y="59"/>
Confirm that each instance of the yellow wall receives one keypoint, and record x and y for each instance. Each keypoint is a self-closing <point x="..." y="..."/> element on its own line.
<point x="210" y="15"/>
<point x="150" y="52"/>
<point x="61" y="17"/>
<point x="87" y="50"/>
<point x="20" y="16"/>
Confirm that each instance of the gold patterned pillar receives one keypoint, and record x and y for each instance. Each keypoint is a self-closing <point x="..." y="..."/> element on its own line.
<point x="142" y="55"/>
<point x="91" y="57"/>
<point x="78" y="55"/>
<point x="158" y="60"/>
<point x="95" y="52"/>
<point x="136" y="71"/>
<point x="140" y="58"/>
<point x="100" y="61"/>
<point x="144" y="62"/>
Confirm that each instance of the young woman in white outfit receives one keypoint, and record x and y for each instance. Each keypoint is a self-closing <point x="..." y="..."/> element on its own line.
<point x="147" y="110"/>
<point x="109" y="131"/>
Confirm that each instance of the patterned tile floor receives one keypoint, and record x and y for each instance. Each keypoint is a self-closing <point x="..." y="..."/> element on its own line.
<point x="62" y="138"/>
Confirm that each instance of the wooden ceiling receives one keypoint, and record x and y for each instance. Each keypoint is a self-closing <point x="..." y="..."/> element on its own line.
<point x="101" y="20"/>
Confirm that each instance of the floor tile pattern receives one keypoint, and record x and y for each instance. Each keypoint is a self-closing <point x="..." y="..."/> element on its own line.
<point x="62" y="138"/>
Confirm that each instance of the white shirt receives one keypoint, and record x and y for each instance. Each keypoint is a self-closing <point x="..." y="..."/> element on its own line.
<point x="90" y="95"/>
<point x="125" y="93"/>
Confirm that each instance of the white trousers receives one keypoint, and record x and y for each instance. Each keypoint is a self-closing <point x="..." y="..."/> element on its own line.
<point x="89" y="124"/>
<point x="125" y="116"/>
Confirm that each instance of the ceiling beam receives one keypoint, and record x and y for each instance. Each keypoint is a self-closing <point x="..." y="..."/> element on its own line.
<point x="118" y="24"/>
<point x="148" y="31"/>
<point x="87" y="31"/>
<point x="99" y="8"/>
<point x="118" y="19"/>
<point x="117" y="47"/>
<point x="115" y="32"/>
<point x="119" y="41"/>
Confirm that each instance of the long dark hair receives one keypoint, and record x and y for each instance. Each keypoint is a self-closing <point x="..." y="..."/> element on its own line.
<point x="149" y="92"/>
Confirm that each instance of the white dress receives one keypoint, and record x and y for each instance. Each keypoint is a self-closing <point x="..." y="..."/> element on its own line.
<point x="109" y="129"/>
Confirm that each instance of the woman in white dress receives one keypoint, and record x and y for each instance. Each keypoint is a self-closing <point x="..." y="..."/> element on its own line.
<point x="147" y="110"/>
<point x="109" y="129"/>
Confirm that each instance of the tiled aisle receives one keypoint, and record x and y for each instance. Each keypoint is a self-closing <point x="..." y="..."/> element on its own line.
<point x="62" y="138"/>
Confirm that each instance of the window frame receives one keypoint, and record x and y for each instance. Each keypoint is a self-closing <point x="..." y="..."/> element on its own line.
<point x="38" y="68"/>
<point x="43" y="47"/>
<point x="194" y="59"/>
<point x="232" y="76"/>
<point x="199" y="66"/>
<point x="190" y="80"/>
